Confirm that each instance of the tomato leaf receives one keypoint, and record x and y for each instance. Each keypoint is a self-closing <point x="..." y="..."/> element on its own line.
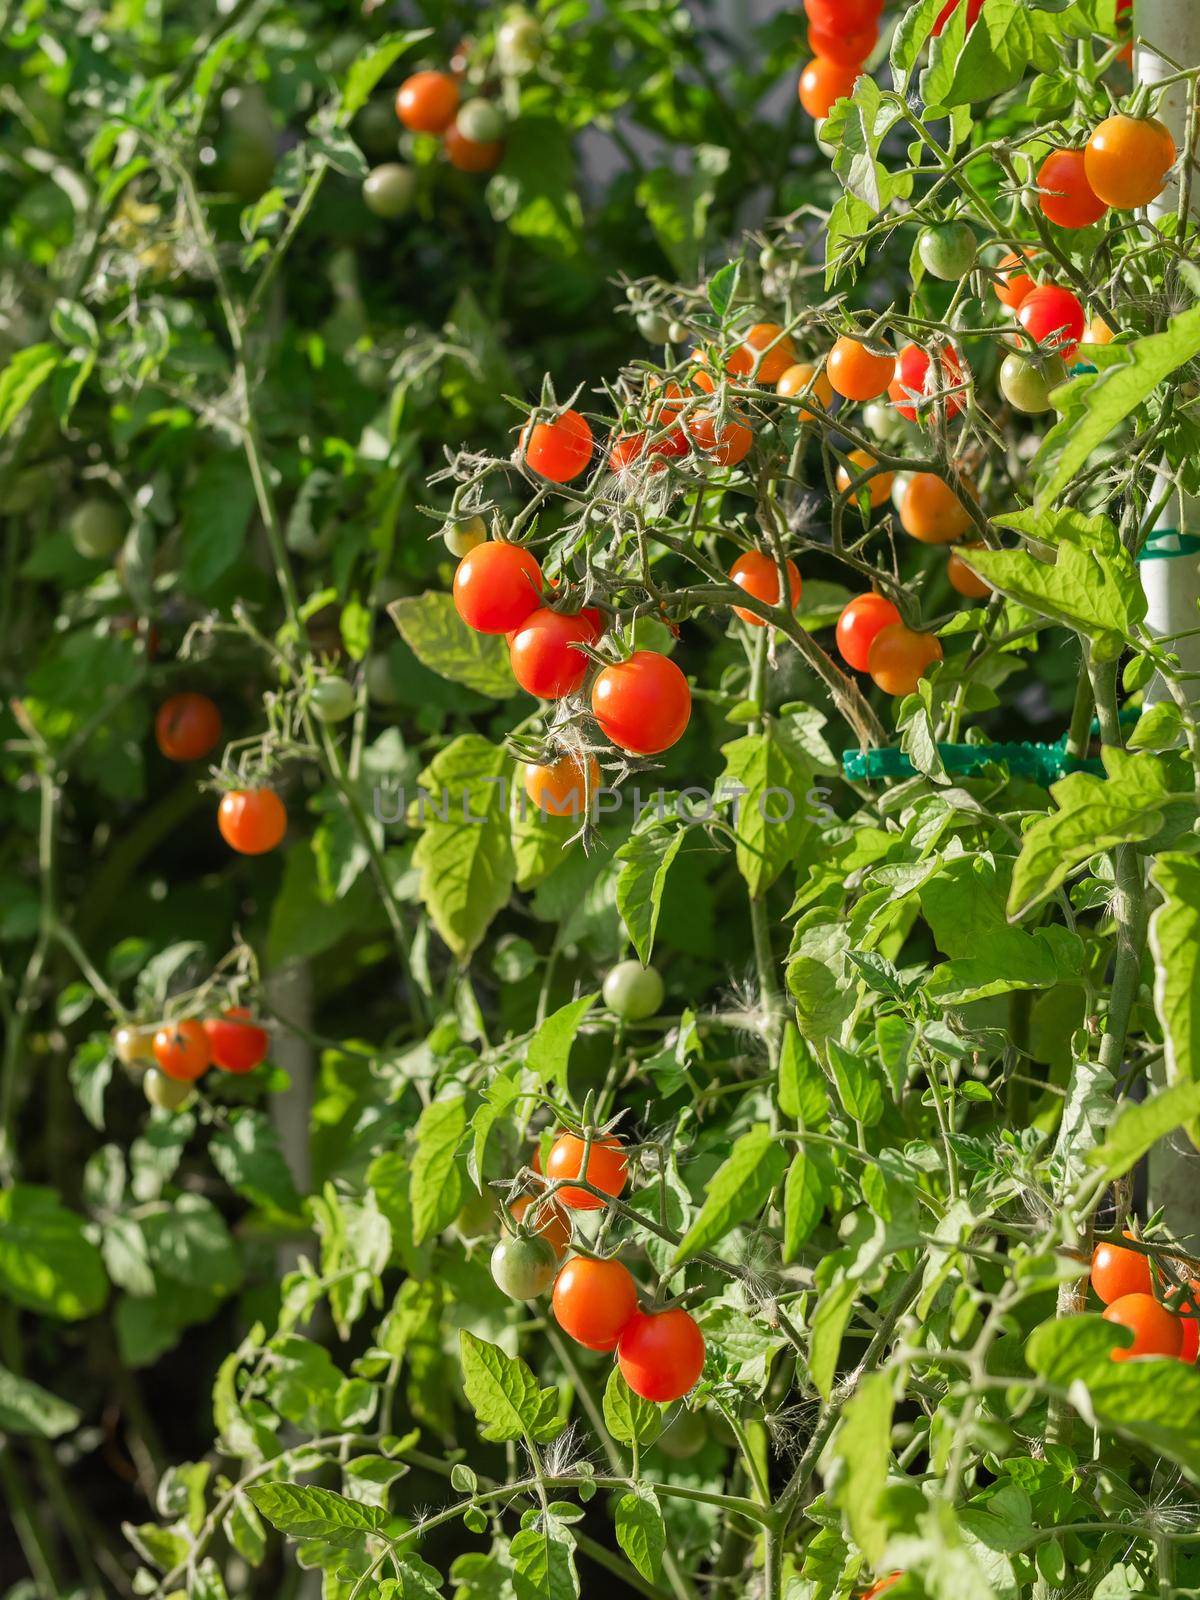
<point x="505" y="1395"/>
<point x="550" y="1048"/>
<point x="645" y="858"/>
<point x="1175" y="943"/>
<point x="857" y="1467"/>
<point x="739" y="1189"/>
<point x="47" y="1262"/>
<point x="640" y="1529"/>
<point x="439" y="638"/>
<point x="306" y="1512"/>
<point x="628" y="1417"/>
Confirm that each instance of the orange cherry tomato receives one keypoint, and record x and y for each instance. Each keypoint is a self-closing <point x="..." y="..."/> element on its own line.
<point x="1064" y="193"/>
<point x="703" y="377"/>
<point x="758" y="575"/>
<point x="661" y="1354"/>
<point x="560" y="788"/>
<point x="844" y="49"/>
<point x="643" y="704"/>
<point x="559" y="449"/>
<point x="859" y="623"/>
<point x="593" y="1301"/>
<point x="187" y="727"/>
<point x="962" y="579"/>
<point x="766" y="351"/>
<point x="427" y="101"/>
<point x="1117" y="1272"/>
<point x="1011" y="285"/>
<point x="252" y="821"/>
<point x="471" y="155"/>
<point x="899" y="657"/>
<point x="892" y="1577"/>
<point x="545" y="1217"/>
<point x="878" y="485"/>
<point x="919" y="389"/>
<point x="1156" y="1331"/>
<point x="1127" y="160"/>
<point x="181" y="1051"/>
<point x="607" y="1169"/>
<point x="805" y="379"/>
<point x="823" y="83"/>
<point x="858" y="373"/>
<point x="235" y="1042"/>
<point x="931" y="511"/>
<point x="725" y="444"/>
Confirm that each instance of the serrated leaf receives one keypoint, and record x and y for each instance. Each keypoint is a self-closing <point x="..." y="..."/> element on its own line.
<point x="645" y="858"/>
<point x="441" y="640"/>
<point x="550" y="1048"/>
<point x="738" y="1190"/>
<point x="504" y="1394"/>
<point x="433" y="1197"/>
<point x="627" y="1416"/>
<point x="304" y="1512"/>
<point x="860" y="1451"/>
<point x="26" y="1408"/>
<point x="640" y="1530"/>
<point x="1175" y="943"/>
<point x="464" y="854"/>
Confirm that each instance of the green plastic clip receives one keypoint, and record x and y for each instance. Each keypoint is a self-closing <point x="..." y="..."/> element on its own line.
<point x="1041" y="763"/>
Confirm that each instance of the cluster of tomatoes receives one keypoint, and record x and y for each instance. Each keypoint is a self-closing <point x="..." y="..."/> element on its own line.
<point x="1123" y="1280"/>
<point x="472" y="131"/>
<point x="842" y="35"/>
<point x="594" y="1298"/>
<point x="177" y="1053"/>
<point x="187" y="727"/>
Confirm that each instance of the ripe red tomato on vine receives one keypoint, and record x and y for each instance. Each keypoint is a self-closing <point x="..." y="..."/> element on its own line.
<point x="899" y="657"/>
<point x="823" y="83"/>
<point x="426" y="102"/>
<point x="1117" y="1271"/>
<point x="235" y="1042"/>
<point x="770" y="347"/>
<point x="544" y="659"/>
<point x="843" y="16"/>
<point x="727" y="443"/>
<point x="593" y="1300"/>
<point x="858" y="624"/>
<point x="471" y="155"/>
<point x="181" y="1051"/>
<point x="559" y="449"/>
<point x="643" y="704"/>
<point x="607" y="1169"/>
<point x="252" y="821"/>
<point x="919" y="390"/>
<point x="858" y="372"/>
<point x="757" y="573"/>
<point x="845" y="49"/>
<point x="1013" y="283"/>
<point x="496" y="586"/>
<point x="187" y="726"/>
<point x="1053" y="316"/>
<point x="661" y="1354"/>
<point x="1064" y="193"/>
<point x="1156" y="1331"/>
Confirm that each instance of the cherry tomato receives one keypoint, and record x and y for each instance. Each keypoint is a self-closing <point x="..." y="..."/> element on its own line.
<point x="187" y="726"/>
<point x="333" y="699"/>
<point x="1064" y="193"/>
<point x="560" y="788"/>
<point x="948" y="250"/>
<point x="919" y="389"/>
<point x="1189" y="1347"/>
<point x="1117" y="1272"/>
<point x="858" y="373"/>
<point x="1156" y="1332"/>
<point x="626" y="448"/>
<point x="878" y="486"/>
<point x="593" y="1301"/>
<point x="858" y="624"/>
<point x="607" y="1169"/>
<point x="252" y="821"/>
<point x="166" y="1094"/>
<point x="523" y="1266"/>
<point x="1099" y="332"/>
<point x="898" y="658"/>
<point x="519" y="43"/>
<point x="961" y="577"/>
<point x="389" y="190"/>
<point x="1027" y="385"/>
<point x="766" y="352"/>
<point x="823" y="83"/>
<point x="931" y="511"/>
<point x="643" y="704"/>
<point x="842" y="16"/>
<point x="632" y="991"/>
<point x="758" y="575"/>
<point x="97" y="528"/>
<point x="804" y="379"/>
<point x="1127" y="160"/>
<point x="496" y="587"/>
<point x="726" y="444"/>
<point x="471" y="155"/>
<point x="559" y="449"/>
<point x="844" y="49"/>
<point x="1012" y="286"/>
<point x="974" y="7"/>
<point x="546" y="1218"/>
<point x="427" y="101"/>
<point x="661" y="1354"/>
<point x="703" y="375"/>
<point x="465" y="535"/>
<point x="1053" y="316"/>
<point x="235" y="1042"/>
<point x="133" y="1045"/>
<point x="544" y="659"/>
<point x="181" y="1051"/>
<point x="481" y="121"/>
<point x="892" y="1577"/>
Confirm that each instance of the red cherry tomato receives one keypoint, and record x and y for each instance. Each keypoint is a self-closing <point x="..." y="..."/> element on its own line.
<point x="644" y="704"/>
<point x="235" y="1042"/>
<point x="823" y="83"/>
<point x="1011" y="286"/>
<point x="427" y="101"/>
<point x="661" y="1354"/>
<point x="252" y="821"/>
<point x="545" y="1217"/>
<point x="1054" y="317"/>
<point x="607" y="1169"/>
<point x="727" y="444"/>
<point x="915" y="385"/>
<point x="974" y="7"/>
<point x="559" y="449"/>
<point x="1156" y="1332"/>
<point x="1064" y="193"/>
<point x="844" y="49"/>
<point x="471" y="155"/>
<point x="544" y="659"/>
<point x="883" y="1583"/>
<point x="627" y="448"/>
<point x="859" y="623"/>
<point x="1189" y="1347"/>
<point x="898" y="658"/>
<point x="593" y="1301"/>
<point x="757" y="574"/>
<point x="1117" y="1272"/>
<point x="187" y="727"/>
<point x="496" y="586"/>
<point x="181" y="1051"/>
<point x="843" y="16"/>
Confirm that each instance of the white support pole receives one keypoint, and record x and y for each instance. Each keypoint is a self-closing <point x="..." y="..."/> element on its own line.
<point x="1170" y="564"/>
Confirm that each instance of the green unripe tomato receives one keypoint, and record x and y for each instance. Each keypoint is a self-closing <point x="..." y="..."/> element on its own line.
<point x="519" y="43"/>
<point x="768" y="258"/>
<point x="465" y="535"/>
<point x="1027" y="385"/>
<point x="167" y="1094"/>
<point x="900" y="485"/>
<point x="633" y="991"/>
<point x="481" y="121"/>
<point x="382" y="689"/>
<point x="333" y="700"/>
<point x="97" y="528"/>
<point x="133" y="1046"/>
<point x="676" y="333"/>
<point x="683" y="1436"/>
<point x="388" y="190"/>
<point x="523" y="1266"/>
<point x="823" y="144"/>
<point x="948" y="250"/>
<point x="652" y="325"/>
<point x="885" y="422"/>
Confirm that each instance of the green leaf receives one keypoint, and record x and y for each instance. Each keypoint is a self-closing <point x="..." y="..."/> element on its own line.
<point x="640" y="1530"/>
<point x="803" y="1091"/>
<point x="47" y="1263"/>
<point x="1175" y="943"/>
<point x="677" y="206"/>
<point x="441" y="640"/>
<point x="860" y="1451"/>
<point x="769" y="776"/>
<point x="22" y="378"/>
<point x="464" y="854"/>
<point x="805" y="1194"/>
<point x="248" y="1155"/>
<point x="90" y="1074"/>
<point x="1142" y="1124"/>
<point x="628" y="1417"/>
<point x="367" y="70"/>
<point x="434" y="1184"/>
<point x="860" y="1090"/>
<point x="304" y="1512"/>
<point x="829" y="1324"/>
<point x="505" y="1396"/>
<point x="645" y="858"/>
<point x="534" y="191"/>
<point x="550" y="1048"/>
<point x="216" y="514"/>
<point x="739" y="1189"/>
<point x="543" y="1558"/>
<point x="26" y="1408"/>
<point x="189" y="1240"/>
